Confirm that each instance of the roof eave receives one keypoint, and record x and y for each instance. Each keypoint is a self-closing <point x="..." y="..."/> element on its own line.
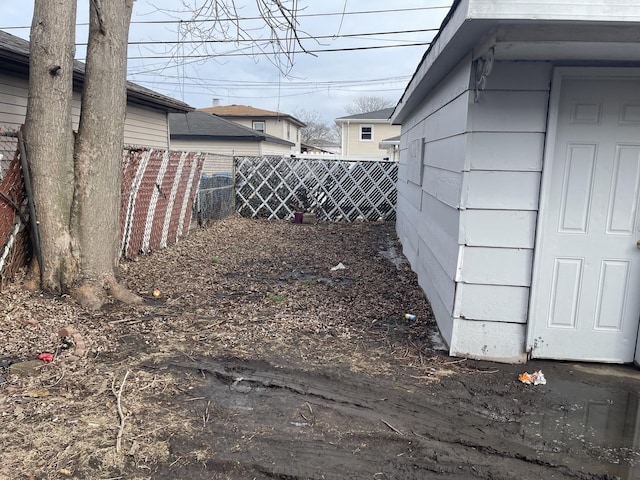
<point x="517" y="31"/>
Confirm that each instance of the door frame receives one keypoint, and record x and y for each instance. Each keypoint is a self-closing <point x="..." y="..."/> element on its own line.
<point x="558" y="76"/>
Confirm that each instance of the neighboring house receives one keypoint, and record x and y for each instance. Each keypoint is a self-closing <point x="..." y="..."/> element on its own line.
<point x="392" y="146"/>
<point x="519" y="179"/>
<point x="276" y="124"/>
<point x="320" y="149"/>
<point x="146" y="122"/>
<point x="203" y="132"/>
<point x="362" y="134"/>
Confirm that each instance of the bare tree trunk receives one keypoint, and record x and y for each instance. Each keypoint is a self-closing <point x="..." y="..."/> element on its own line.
<point x="95" y="221"/>
<point x="77" y="183"/>
<point x="49" y="135"/>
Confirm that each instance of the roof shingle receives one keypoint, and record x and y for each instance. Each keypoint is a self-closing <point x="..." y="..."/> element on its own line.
<point x="384" y="114"/>
<point x="17" y="49"/>
<point x="247" y="111"/>
<point x="206" y="126"/>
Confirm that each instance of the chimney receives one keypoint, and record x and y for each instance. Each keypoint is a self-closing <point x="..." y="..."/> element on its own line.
<point x="215" y="102"/>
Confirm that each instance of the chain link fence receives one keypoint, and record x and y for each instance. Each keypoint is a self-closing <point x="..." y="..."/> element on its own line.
<point x="158" y="193"/>
<point x="216" y="197"/>
<point x="14" y="213"/>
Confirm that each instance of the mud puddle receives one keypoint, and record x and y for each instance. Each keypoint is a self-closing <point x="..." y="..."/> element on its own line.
<point x="263" y="421"/>
<point x="602" y="421"/>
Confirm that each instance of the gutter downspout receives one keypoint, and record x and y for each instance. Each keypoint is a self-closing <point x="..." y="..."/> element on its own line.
<point x="346" y="145"/>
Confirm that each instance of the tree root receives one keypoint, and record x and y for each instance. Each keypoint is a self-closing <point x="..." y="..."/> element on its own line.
<point x="31" y="281"/>
<point x="122" y="294"/>
<point x="92" y="296"/>
<point x="88" y="296"/>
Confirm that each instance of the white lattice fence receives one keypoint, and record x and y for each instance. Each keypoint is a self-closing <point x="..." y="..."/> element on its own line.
<point x="275" y="187"/>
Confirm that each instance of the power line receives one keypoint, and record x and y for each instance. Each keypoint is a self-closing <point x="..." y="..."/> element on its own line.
<point x="293" y="52"/>
<point x="298" y="94"/>
<point x="310" y="37"/>
<point x="295" y="84"/>
<point x="272" y="85"/>
<point x="237" y="19"/>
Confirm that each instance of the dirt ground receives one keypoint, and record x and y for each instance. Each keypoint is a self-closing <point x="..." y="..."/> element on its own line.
<point x="257" y="360"/>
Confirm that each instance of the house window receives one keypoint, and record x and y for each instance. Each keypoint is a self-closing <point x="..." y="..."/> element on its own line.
<point x="288" y="130"/>
<point x="259" y="126"/>
<point x="366" y="133"/>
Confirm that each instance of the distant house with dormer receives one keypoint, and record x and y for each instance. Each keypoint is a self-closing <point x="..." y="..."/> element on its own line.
<point x="363" y="133"/>
<point x="276" y="124"/>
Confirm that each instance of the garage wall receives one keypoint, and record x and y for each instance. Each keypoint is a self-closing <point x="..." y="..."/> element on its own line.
<point x="469" y="178"/>
<point x="430" y="183"/>
<point x="146" y="126"/>
<point x="499" y="203"/>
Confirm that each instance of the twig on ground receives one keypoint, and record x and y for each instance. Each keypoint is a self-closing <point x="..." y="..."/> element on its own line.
<point x="391" y="427"/>
<point x="118" y="395"/>
<point x="455" y="361"/>
<point x="58" y="380"/>
<point x="131" y="321"/>
<point x="149" y="385"/>
<point x="188" y="356"/>
<point x="477" y="370"/>
<point x="205" y="415"/>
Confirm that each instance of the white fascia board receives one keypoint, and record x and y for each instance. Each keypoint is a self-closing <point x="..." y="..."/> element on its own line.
<point x="574" y="10"/>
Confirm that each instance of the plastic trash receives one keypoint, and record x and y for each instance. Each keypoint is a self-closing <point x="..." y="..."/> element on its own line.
<point x="535" y="378"/>
<point x="410" y="316"/>
<point x="46" y="357"/>
<point x="339" y="266"/>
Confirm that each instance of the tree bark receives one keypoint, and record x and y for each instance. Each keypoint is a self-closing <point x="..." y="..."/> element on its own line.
<point x="49" y="136"/>
<point x="95" y="220"/>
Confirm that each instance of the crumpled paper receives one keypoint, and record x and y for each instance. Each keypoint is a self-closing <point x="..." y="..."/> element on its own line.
<point x="535" y="378"/>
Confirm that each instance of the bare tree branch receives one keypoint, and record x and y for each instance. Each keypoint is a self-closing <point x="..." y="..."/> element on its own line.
<point x="280" y="18"/>
<point x="97" y="6"/>
<point x="367" y="104"/>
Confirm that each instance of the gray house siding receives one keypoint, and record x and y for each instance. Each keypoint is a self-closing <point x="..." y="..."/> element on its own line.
<point x="498" y="222"/>
<point x="475" y="210"/>
<point x="430" y="182"/>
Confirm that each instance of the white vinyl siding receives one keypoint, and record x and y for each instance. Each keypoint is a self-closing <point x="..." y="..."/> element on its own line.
<point x="146" y="127"/>
<point x="354" y="147"/>
<point x="13" y="100"/>
<point x="249" y="149"/>
<point x="143" y="126"/>
<point x="501" y="195"/>
<point x="475" y="213"/>
<point x="429" y="214"/>
<point x="603" y="11"/>
<point x="226" y="147"/>
<point x="269" y="148"/>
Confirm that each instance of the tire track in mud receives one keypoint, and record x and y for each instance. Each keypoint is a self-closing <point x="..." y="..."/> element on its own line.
<point x="273" y="422"/>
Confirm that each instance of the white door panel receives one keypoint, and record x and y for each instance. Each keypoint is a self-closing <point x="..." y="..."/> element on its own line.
<point x="587" y="282"/>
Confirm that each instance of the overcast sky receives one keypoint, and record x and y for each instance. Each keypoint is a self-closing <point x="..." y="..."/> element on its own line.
<point x="241" y="73"/>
